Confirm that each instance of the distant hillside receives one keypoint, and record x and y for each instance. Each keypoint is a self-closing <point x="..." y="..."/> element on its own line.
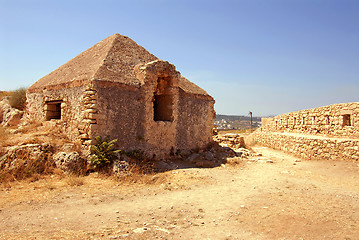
<point x="235" y="117"/>
<point x="236" y="122"/>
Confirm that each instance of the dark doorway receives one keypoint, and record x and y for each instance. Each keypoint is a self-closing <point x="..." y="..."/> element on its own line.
<point x="162" y="107"/>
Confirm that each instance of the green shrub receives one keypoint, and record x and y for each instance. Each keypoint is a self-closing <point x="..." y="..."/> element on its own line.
<point x="102" y="152"/>
<point x="18" y="99"/>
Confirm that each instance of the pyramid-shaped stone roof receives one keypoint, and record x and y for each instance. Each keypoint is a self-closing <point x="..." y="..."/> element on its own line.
<point x="113" y="59"/>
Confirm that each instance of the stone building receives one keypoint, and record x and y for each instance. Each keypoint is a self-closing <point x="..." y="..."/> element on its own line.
<point x="330" y="132"/>
<point x="117" y="88"/>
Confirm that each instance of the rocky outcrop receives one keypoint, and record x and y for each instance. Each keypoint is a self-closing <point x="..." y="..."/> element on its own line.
<point x="41" y="156"/>
<point x="9" y="116"/>
<point x="13" y="156"/>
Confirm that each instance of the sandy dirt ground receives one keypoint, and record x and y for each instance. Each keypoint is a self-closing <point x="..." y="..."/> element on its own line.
<point x="286" y="198"/>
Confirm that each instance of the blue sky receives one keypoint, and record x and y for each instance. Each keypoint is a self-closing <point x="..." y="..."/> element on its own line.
<point x="264" y="56"/>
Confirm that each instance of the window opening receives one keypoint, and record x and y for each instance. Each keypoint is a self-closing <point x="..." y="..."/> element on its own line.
<point x="53" y="110"/>
<point x="162" y="107"/>
<point x="346" y="120"/>
<point x="294" y="121"/>
<point x="303" y="120"/>
<point x="327" y="120"/>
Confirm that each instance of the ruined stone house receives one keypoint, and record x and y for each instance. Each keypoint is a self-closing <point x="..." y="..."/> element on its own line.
<point x="117" y="88"/>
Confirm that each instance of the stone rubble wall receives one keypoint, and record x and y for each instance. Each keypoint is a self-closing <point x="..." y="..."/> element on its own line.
<point x="231" y="140"/>
<point x="319" y="133"/>
<point x="324" y="121"/>
<point x="72" y="109"/>
<point x="310" y="146"/>
<point x="195" y="122"/>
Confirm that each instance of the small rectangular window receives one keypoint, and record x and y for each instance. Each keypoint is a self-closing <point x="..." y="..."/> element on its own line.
<point x="346" y="120"/>
<point x="53" y="110"/>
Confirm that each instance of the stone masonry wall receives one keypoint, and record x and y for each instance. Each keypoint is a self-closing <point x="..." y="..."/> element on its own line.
<point x="127" y="113"/>
<point x="330" y="132"/>
<point x="154" y="114"/>
<point x="337" y="120"/>
<point x="72" y="109"/>
<point x="119" y="114"/>
<point x="195" y="122"/>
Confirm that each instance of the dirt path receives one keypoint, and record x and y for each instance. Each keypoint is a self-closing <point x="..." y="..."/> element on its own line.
<point x="286" y="199"/>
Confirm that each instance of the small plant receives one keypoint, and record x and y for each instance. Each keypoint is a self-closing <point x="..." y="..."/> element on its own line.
<point x="102" y="152"/>
<point x="18" y="99"/>
<point x="24" y="166"/>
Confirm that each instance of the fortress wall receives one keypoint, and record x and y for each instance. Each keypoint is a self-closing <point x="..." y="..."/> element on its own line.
<point x="330" y="132"/>
<point x="337" y="120"/>
<point x="309" y="146"/>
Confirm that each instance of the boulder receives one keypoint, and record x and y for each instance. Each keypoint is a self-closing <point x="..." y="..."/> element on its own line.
<point x="70" y="162"/>
<point x="120" y="167"/>
<point x="9" y="116"/>
<point x="24" y="154"/>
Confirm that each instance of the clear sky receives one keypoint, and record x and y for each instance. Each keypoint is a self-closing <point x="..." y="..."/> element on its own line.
<point x="264" y="56"/>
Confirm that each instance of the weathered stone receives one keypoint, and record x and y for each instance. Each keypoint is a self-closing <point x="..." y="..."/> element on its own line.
<point x="67" y="147"/>
<point x="120" y="167"/>
<point x="131" y="96"/>
<point x="193" y="157"/>
<point x="24" y="154"/>
<point x="162" y="165"/>
<point x="69" y="162"/>
<point x="205" y="164"/>
<point x="330" y="132"/>
<point x="9" y="116"/>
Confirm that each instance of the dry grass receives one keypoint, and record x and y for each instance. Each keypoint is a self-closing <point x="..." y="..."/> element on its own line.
<point x="74" y="180"/>
<point x="38" y="133"/>
<point x="22" y="166"/>
<point x="18" y="99"/>
<point x="141" y="172"/>
<point x="3" y="136"/>
<point x="4" y="94"/>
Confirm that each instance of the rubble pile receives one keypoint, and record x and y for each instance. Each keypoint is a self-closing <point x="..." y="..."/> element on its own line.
<point x="232" y="140"/>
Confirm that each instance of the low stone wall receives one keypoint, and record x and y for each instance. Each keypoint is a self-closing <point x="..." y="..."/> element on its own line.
<point x="310" y="146"/>
<point x="330" y="132"/>
<point x="337" y="120"/>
